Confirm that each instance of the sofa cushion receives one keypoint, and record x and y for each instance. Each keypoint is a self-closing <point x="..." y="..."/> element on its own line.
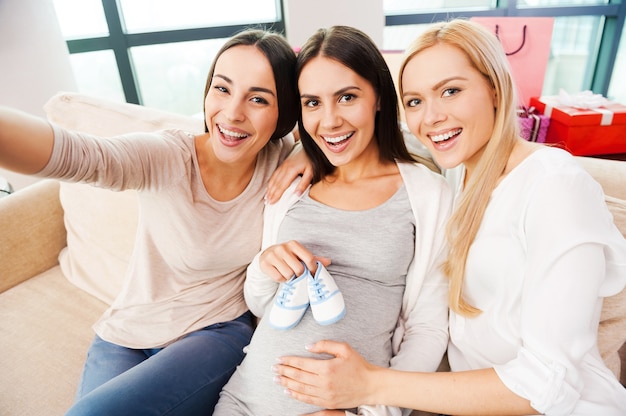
<point x="107" y="118"/>
<point x="101" y="227"/>
<point x="101" y="224"/>
<point x="30" y="222"/>
<point x="611" y="174"/>
<point x="612" y="331"/>
<point x="45" y="330"/>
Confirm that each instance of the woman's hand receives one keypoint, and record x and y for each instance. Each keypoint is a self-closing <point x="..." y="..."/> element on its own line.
<point x="297" y="164"/>
<point x="282" y="261"/>
<point x="328" y="413"/>
<point x="347" y="380"/>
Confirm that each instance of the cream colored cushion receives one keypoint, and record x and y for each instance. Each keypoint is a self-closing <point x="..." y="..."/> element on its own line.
<point x="31" y="221"/>
<point x="612" y="331"/>
<point x="101" y="224"/>
<point x="611" y="174"/>
<point x="44" y="336"/>
<point x="106" y="118"/>
<point x="101" y="227"/>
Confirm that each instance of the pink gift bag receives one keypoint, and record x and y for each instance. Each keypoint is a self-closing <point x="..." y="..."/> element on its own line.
<point x="526" y="42"/>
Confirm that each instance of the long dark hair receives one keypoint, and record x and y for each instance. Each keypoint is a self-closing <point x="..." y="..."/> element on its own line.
<point x="282" y="59"/>
<point x="355" y="50"/>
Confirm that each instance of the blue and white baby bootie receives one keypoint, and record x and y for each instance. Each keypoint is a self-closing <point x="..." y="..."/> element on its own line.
<point x="294" y="297"/>
<point x="290" y="303"/>
<point x="326" y="300"/>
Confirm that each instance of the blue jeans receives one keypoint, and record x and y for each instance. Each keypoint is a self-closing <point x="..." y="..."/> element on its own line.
<point x="184" y="378"/>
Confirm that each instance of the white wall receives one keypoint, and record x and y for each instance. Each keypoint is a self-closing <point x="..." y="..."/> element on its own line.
<point x="34" y="61"/>
<point x="303" y="18"/>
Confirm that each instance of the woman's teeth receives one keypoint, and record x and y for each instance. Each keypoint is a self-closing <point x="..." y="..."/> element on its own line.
<point x="338" y="139"/>
<point x="442" y="137"/>
<point x="232" y="134"/>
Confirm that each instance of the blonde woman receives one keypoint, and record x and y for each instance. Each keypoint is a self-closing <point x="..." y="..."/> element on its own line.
<point x="533" y="252"/>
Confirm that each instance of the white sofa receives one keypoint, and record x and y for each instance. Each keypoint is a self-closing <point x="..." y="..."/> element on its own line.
<point x="64" y="249"/>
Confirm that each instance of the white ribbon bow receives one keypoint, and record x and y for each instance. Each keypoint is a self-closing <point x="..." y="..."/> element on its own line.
<point x="584" y="99"/>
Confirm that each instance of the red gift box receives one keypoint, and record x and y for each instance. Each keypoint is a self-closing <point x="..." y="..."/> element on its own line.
<point x="585" y="132"/>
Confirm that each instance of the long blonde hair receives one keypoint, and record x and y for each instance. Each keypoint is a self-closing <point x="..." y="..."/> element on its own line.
<point x="486" y="55"/>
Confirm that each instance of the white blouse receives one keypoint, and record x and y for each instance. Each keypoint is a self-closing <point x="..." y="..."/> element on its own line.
<point x="546" y="254"/>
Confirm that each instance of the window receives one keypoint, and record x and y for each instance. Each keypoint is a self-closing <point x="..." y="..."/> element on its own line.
<point x="584" y="49"/>
<point x="142" y="16"/>
<point x="617" y="89"/>
<point x="154" y="52"/>
<point x="157" y="52"/>
<point x="81" y="19"/>
<point x="412" y="6"/>
<point x="96" y="73"/>
<point x="176" y="83"/>
<point x="546" y="3"/>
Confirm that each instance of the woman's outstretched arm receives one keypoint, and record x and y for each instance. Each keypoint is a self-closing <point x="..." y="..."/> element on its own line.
<point x="347" y="380"/>
<point x="25" y="141"/>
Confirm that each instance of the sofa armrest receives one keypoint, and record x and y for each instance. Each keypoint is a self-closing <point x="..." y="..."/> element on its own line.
<point x="33" y="232"/>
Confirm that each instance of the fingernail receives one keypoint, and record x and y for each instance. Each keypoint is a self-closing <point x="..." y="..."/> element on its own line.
<point x="287" y="392"/>
<point x="308" y="347"/>
<point x="274" y="369"/>
<point x="276" y="380"/>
